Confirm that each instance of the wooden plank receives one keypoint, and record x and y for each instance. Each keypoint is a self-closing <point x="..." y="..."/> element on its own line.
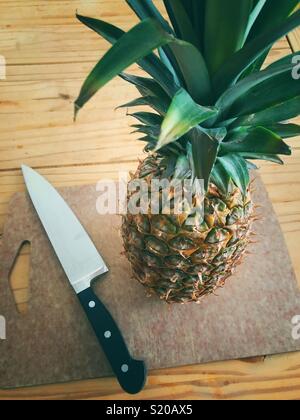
<point x="294" y="39"/>
<point x="276" y="378"/>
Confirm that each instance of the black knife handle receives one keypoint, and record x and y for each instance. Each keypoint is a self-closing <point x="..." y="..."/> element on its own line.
<point x="131" y="373"/>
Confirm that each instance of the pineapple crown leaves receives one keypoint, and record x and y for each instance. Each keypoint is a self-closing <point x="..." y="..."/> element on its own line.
<point x="215" y="108"/>
<point x="183" y="115"/>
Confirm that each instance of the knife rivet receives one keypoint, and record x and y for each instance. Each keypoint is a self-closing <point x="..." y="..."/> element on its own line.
<point x="107" y="334"/>
<point x="124" y="368"/>
<point x="92" y="304"/>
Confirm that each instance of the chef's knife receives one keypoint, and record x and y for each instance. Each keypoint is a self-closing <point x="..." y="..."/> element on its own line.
<point x="82" y="264"/>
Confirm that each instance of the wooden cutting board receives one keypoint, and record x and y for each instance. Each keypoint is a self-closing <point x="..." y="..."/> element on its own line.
<point x="54" y="343"/>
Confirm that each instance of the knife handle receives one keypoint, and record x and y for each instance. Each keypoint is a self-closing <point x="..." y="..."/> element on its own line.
<point x="131" y="373"/>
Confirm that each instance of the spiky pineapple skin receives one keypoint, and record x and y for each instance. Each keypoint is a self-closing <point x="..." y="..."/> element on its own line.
<point x="184" y="264"/>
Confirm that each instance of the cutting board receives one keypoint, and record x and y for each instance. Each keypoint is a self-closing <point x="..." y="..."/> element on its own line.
<point x="54" y="343"/>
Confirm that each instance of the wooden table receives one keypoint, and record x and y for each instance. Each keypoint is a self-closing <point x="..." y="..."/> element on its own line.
<point x="48" y="55"/>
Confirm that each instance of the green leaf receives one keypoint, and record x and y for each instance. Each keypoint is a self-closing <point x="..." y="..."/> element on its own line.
<point x="273" y="14"/>
<point x="170" y="163"/>
<point x="236" y="168"/>
<point x="194" y="71"/>
<point x="174" y="149"/>
<point x="145" y="9"/>
<point x="151" y="64"/>
<point x="254" y="81"/>
<point x="171" y="66"/>
<point x="151" y="101"/>
<point x="147" y="87"/>
<point x="122" y="54"/>
<point x="218" y="133"/>
<point x="241" y="60"/>
<point x="256" y="140"/>
<point x="285" y="131"/>
<point x="148" y="118"/>
<point x="136" y="102"/>
<point x="204" y="154"/>
<point x="260" y="156"/>
<point x="181" y="21"/>
<point x="157" y="69"/>
<point x="282" y="111"/>
<point x="170" y="55"/>
<point x="151" y="130"/>
<point x="182" y="168"/>
<point x="108" y="31"/>
<point x="183" y="115"/>
<point x="197" y="12"/>
<point x="188" y="7"/>
<point x="220" y="177"/>
<point x="273" y="91"/>
<point x="257" y="65"/>
<point x="148" y="139"/>
<point x="225" y="27"/>
<point x="253" y="16"/>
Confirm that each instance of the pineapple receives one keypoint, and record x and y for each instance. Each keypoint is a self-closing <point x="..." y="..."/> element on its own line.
<point x="182" y="262"/>
<point x="215" y="110"/>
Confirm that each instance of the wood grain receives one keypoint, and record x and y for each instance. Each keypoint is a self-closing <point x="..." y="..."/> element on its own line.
<point x="48" y="55"/>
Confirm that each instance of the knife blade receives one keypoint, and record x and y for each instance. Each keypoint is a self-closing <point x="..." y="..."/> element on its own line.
<point x="82" y="264"/>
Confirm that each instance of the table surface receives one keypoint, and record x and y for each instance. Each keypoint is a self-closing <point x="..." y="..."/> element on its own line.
<point x="48" y="55"/>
